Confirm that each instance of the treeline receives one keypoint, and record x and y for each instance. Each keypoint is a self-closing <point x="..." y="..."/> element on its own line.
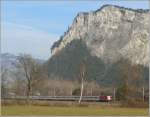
<point x="129" y="82"/>
<point x="31" y="78"/>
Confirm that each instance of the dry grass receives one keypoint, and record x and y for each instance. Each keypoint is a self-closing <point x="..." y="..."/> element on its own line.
<point x="67" y="108"/>
<point x="49" y="110"/>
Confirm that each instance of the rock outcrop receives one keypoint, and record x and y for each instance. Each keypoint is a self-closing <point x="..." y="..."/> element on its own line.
<point x="111" y="33"/>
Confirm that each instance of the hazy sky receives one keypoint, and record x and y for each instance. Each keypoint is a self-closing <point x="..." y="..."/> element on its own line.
<point x="33" y="26"/>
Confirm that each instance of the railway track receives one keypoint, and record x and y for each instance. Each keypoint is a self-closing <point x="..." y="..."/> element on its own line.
<point x="56" y="98"/>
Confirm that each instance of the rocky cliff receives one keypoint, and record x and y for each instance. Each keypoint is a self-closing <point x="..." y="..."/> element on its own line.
<point x="110" y="33"/>
<point x="113" y="40"/>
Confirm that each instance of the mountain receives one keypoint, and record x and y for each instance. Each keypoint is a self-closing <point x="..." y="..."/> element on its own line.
<point x="107" y="40"/>
<point x="111" y="32"/>
<point x="8" y="60"/>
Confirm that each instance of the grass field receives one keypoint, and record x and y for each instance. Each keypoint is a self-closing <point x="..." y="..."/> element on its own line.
<point x="49" y="110"/>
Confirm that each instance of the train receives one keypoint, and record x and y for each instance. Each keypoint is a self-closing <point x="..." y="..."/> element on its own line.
<point x="105" y="98"/>
<point x="102" y="98"/>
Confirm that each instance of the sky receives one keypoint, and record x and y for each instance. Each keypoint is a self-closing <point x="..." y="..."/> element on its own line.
<point x="32" y="27"/>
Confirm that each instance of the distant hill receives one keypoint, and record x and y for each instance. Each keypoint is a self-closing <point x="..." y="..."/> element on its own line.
<point x="8" y="60"/>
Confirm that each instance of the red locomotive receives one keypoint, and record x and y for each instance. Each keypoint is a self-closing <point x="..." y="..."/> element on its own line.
<point x="105" y="98"/>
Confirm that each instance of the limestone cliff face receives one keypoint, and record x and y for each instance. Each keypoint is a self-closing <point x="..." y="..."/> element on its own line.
<point x="110" y="33"/>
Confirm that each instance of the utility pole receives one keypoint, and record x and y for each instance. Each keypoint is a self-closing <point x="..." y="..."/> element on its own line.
<point x="114" y="95"/>
<point x="71" y="91"/>
<point x="143" y="93"/>
<point x="54" y="91"/>
<point x="91" y="91"/>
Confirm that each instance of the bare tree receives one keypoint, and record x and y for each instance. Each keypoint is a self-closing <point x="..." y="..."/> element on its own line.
<point x="92" y="88"/>
<point x="30" y="69"/>
<point x="3" y="81"/>
<point x="82" y="77"/>
<point x="18" y="87"/>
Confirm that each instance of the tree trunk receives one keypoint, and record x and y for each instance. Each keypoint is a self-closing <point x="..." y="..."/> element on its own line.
<point x="81" y="92"/>
<point x="82" y="76"/>
<point x="28" y="91"/>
